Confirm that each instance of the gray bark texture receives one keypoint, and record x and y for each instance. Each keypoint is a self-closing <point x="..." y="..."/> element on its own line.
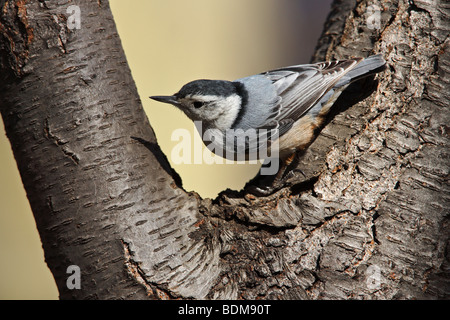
<point x="368" y="217"/>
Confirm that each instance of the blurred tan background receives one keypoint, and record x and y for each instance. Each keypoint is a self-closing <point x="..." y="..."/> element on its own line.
<point x="168" y="43"/>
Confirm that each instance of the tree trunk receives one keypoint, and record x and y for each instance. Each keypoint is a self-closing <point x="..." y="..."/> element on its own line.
<point x="368" y="218"/>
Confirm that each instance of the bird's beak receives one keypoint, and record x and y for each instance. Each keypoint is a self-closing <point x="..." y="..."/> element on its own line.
<point x="166" y="99"/>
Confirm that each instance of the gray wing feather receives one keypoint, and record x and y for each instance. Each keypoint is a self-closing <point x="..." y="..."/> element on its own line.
<point x="278" y="98"/>
<point x="262" y="100"/>
<point x="311" y="83"/>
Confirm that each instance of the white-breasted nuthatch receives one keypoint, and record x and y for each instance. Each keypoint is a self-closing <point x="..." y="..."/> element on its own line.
<point x="277" y="110"/>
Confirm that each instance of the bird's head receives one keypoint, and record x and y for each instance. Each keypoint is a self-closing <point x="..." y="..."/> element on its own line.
<point x="214" y="102"/>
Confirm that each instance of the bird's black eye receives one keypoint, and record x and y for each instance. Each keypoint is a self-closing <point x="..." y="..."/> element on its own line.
<point x="198" y="104"/>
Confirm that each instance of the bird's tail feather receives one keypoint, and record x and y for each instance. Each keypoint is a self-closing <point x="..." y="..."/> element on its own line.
<point x="368" y="66"/>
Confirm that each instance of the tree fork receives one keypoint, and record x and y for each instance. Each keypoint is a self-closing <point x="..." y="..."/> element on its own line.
<point x="368" y="219"/>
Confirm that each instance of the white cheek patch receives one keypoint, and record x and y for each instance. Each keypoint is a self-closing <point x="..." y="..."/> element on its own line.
<point x="222" y="112"/>
<point x="229" y="108"/>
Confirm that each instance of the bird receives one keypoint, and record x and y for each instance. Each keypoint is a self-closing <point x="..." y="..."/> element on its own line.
<point x="273" y="114"/>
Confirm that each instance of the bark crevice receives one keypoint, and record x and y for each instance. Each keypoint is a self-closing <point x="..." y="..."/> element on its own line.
<point x="365" y="216"/>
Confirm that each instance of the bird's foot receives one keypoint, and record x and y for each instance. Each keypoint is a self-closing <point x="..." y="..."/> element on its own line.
<point x="264" y="186"/>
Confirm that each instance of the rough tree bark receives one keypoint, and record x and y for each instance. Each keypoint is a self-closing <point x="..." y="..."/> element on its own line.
<point x="368" y="219"/>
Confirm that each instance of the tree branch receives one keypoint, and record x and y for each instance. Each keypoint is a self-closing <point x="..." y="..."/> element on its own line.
<point x="368" y="218"/>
